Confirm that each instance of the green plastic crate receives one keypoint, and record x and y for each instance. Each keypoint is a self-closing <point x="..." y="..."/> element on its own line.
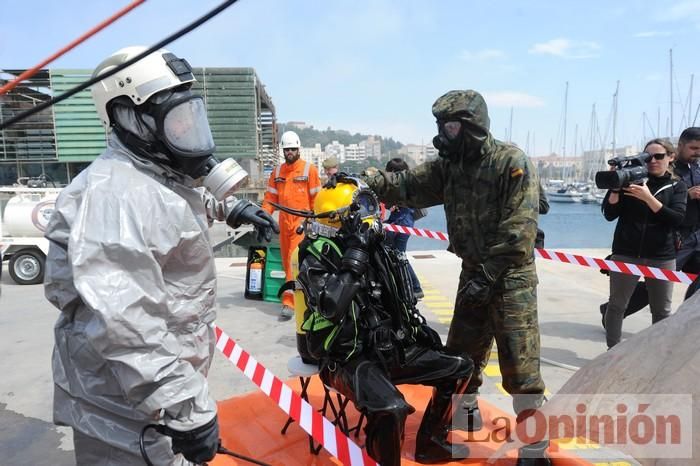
<point x="274" y="275"/>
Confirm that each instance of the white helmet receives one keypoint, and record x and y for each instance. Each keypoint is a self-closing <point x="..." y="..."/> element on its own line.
<point x="156" y="72"/>
<point x="290" y="139"/>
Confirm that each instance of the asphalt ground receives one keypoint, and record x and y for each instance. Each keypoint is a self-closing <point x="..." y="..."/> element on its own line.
<point x="571" y="335"/>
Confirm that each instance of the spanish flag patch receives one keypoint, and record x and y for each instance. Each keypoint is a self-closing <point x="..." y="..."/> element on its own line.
<point x="516" y="172"/>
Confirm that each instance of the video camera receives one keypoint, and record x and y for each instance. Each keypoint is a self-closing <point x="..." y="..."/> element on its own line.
<point x="630" y="169"/>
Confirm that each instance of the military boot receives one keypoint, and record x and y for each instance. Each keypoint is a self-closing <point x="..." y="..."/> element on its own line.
<point x="467" y="419"/>
<point x="431" y="441"/>
<point x="534" y="455"/>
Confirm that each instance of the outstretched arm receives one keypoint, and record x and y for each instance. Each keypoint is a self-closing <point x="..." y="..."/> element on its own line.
<point x="418" y="188"/>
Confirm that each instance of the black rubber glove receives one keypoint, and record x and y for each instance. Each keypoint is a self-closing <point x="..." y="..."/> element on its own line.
<point x="247" y="212"/>
<point x="333" y="179"/>
<point x="356" y="237"/>
<point x="197" y="445"/>
<point x="477" y="291"/>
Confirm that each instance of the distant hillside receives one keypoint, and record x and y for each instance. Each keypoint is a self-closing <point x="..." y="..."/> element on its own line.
<point x="311" y="136"/>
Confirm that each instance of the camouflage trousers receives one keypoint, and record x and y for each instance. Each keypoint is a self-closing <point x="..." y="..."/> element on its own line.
<point x="510" y="318"/>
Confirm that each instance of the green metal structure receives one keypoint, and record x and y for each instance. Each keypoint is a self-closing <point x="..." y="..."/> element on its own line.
<point x="62" y="140"/>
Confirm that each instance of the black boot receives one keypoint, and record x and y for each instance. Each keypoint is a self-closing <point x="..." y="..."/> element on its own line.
<point x="467" y="419"/>
<point x="603" y="310"/>
<point x="534" y="455"/>
<point x="384" y="431"/>
<point x="431" y="442"/>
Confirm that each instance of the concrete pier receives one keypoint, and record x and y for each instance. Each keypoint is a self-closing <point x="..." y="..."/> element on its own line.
<point x="569" y="296"/>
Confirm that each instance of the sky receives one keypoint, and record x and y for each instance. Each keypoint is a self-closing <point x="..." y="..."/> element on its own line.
<point x="377" y="66"/>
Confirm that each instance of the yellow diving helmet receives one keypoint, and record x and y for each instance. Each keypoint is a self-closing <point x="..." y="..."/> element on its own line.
<point x="333" y="203"/>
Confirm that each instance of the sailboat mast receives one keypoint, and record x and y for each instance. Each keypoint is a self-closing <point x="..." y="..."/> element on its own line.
<point x="527" y="143"/>
<point x="510" y="127"/>
<point x="614" y="135"/>
<point x="690" y="99"/>
<point x="670" y="86"/>
<point x="534" y="144"/>
<point x="576" y="140"/>
<point x="566" y="103"/>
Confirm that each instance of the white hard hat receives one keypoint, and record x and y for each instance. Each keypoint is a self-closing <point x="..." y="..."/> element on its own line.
<point x="156" y="72"/>
<point x="290" y="139"/>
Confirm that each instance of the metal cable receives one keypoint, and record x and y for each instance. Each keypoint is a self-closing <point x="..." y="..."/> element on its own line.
<point x="32" y="71"/>
<point x="126" y="64"/>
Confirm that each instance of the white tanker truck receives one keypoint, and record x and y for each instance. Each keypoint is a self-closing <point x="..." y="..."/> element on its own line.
<point x="24" y="222"/>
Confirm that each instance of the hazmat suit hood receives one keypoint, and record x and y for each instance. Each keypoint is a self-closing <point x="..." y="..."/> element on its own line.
<point x="469" y="108"/>
<point x="129" y="122"/>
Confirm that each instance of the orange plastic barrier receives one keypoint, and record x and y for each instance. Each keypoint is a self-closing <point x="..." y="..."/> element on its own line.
<point x="250" y="425"/>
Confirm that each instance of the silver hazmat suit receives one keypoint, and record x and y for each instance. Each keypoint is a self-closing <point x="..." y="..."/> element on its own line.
<point x="131" y="268"/>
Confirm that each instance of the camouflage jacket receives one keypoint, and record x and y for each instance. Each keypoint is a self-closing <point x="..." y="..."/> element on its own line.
<point x="491" y="205"/>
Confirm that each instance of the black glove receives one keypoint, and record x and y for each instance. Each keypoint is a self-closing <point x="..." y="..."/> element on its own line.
<point x="356" y="236"/>
<point x="247" y="212"/>
<point x="197" y="445"/>
<point x="333" y="179"/>
<point x="477" y="291"/>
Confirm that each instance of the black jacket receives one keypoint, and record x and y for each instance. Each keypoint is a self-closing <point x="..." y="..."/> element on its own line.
<point x="641" y="232"/>
<point x="690" y="174"/>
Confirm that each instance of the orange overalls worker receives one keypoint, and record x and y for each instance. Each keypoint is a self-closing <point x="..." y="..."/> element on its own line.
<point x="293" y="184"/>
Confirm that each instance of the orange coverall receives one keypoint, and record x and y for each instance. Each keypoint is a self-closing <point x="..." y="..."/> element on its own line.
<point x="294" y="186"/>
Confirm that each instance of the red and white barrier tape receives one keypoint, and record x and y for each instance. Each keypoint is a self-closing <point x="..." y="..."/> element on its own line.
<point x="321" y="429"/>
<point x="417" y="232"/>
<point x="615" y="266"/>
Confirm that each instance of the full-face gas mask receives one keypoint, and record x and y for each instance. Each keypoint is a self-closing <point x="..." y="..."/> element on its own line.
<point x="462" y="122"/>
<point x="150" y="107"/>
<point x="456" y="138"/>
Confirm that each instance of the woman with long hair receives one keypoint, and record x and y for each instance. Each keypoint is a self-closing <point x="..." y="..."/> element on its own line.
<point x="647" y="215"/>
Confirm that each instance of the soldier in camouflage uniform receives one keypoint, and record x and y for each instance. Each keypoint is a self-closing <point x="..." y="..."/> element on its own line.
<point x="490" y="192"/>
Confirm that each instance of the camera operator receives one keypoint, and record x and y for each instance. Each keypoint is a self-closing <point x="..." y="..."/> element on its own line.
<point x="647" y="215"/>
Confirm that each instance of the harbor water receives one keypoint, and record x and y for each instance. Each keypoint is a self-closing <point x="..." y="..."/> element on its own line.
<point x="573" y="225"/>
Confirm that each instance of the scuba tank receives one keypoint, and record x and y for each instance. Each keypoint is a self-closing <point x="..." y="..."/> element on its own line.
<point x="299" y="309"/>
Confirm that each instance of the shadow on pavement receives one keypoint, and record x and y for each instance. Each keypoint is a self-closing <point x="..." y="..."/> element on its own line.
<point x="26" y="440"/>
<point x="576" y="330"/>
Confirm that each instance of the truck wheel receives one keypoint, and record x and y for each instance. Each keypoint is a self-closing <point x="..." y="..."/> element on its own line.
<point x="27" y="267"/>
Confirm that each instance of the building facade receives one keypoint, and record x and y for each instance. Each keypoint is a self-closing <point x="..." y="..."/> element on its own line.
<point x="62" y="140"/>
<point x="416" y="154"/>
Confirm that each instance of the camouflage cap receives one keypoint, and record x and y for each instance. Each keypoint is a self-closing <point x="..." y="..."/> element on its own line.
<point x="468" y="105"/>
<point x="330" y="162"/>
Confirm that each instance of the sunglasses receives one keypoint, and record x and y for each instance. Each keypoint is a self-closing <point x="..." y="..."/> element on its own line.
<point x="659" y="156"/>
<point x="290" y="149"/>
